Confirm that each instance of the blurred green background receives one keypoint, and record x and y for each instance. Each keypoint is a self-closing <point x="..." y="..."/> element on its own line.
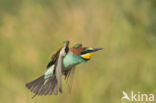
<point x="31" y="30"/>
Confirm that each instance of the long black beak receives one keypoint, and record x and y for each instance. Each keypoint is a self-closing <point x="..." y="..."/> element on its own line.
<point x="96" y="49"/>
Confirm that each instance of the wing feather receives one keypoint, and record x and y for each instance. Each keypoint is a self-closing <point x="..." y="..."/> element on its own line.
<point x="69" y="76"/>
<point x="53" y="58"/>
<point x="58" y="69"/>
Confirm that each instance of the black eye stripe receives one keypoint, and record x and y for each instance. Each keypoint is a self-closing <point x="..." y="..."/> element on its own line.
<point x="87" y="51"/>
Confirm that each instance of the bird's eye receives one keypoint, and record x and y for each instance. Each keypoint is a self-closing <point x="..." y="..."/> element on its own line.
<point x="85" y="52"/>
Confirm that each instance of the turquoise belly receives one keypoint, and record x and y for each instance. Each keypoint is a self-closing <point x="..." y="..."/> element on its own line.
<point x="71" y="60"/>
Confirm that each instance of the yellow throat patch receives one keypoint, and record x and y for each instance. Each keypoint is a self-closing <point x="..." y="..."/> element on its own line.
<point x="87" y="56"/>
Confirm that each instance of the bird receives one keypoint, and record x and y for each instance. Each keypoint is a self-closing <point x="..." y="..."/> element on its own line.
<point x="62" y="62"/>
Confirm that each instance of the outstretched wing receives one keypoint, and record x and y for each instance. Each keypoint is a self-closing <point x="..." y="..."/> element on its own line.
<point x="59" y="65"/>
<point x="58" y="71"/>
<point x="57" y="59"/>
<point x="54" y="58"/>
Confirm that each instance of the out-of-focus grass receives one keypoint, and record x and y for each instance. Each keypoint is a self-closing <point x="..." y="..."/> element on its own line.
<point x="31" y="30"/>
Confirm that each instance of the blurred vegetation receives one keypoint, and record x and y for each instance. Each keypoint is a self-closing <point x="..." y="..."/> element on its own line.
<point x="31" y="30"/>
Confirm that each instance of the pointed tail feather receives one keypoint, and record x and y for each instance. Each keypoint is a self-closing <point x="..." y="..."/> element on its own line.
<point x="38" y="87"/>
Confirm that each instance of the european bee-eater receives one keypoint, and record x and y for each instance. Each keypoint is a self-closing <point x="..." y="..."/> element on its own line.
<point x="62" y="63"/>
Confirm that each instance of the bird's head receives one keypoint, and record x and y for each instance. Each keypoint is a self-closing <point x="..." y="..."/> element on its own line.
<point x="86" y="53"/>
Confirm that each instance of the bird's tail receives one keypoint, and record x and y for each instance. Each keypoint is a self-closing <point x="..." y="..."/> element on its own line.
<point x="41" y="87"/>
